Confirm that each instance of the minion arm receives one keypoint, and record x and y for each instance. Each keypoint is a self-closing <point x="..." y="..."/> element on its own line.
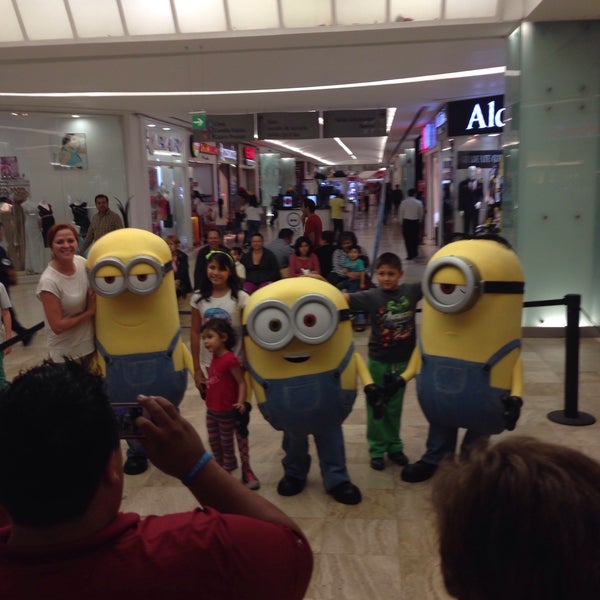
<point x="413" y="366"/>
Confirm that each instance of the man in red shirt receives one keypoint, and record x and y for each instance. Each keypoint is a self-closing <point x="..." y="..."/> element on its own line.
<point x="312" y="222"/>
<point x="61" y="483"/>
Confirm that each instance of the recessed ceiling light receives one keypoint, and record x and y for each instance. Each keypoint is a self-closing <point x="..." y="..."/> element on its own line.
<point x="75" y="116"/>
<point x="151" y="125"/>
<point x="14" y="114"/>
<point x="166" y="129"/>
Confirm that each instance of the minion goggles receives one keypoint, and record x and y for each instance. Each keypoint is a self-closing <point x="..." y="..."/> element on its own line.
<point x="142" y="275"/>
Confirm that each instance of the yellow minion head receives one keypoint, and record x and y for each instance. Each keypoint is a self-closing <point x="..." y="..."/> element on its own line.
<point x="473" y="295"/>
<point x="296" y="327"/>
<point x="136" y="306"/>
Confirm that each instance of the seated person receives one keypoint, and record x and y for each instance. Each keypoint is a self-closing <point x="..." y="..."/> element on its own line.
<point x="67" y="538"/>
<point x="261" y="265"/>
<point x="281" y="247"/>
<point x="520" y="519"/>
<point x="353" y="263"/>
<point x="304" y="261"/>
<point x="325" y="252"/>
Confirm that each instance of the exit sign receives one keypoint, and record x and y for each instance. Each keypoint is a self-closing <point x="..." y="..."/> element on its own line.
<point x="198" y="121"/>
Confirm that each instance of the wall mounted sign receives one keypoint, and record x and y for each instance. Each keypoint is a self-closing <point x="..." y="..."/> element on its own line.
<point x="485" y="159"/>
<point x="226" y="128"/>
<point x="479" y="115"/>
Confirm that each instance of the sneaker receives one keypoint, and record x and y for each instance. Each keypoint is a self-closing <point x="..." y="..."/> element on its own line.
<point x="135" y="465"/>
<point x="399" y="458"/>
<point x="378" y="463"/>
<point x="290" y="486"/>
<point x="419" y="471"/>
<point x="346" y="493"/>
<point x="250" y="481"/>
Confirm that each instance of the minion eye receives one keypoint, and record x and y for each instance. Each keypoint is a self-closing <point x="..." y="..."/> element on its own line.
<point x="269" y="325"/>
<point x="109" y="285"/>
<point x="315" y="319"/>
<point x="448" y="293"/>
<point x="143" y="283"/>
<point x="451" y="297"/>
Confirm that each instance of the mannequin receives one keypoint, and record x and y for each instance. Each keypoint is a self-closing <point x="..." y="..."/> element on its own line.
<point x="80" y="215"/>
<point x="47" y="217"/>
<point x="35" y="260"/>
<point x="470" y="196"/>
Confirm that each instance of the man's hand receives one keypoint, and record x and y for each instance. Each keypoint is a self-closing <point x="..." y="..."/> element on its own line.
<point x="171" y="442"/>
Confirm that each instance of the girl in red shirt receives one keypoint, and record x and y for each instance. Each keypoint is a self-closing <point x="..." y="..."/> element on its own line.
<point x="226" y="408"/>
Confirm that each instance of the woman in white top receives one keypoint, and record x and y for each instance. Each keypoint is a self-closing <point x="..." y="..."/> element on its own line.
<point x="69" y="304"/>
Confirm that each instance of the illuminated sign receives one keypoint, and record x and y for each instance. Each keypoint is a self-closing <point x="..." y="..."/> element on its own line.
<point x="480" y="115"/>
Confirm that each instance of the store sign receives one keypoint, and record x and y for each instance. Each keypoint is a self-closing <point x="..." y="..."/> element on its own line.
<point x="199" y="148"/>
<point x="228" y="153"/>
<point x="249" y="154"/>
<point x="480" y="115"/>
<point x="227" y="128"/>
<point x="288" y="126"/>
<point x="428" y="137"/>
<point x="484" y="159"/>
<point x="354" y="123"/>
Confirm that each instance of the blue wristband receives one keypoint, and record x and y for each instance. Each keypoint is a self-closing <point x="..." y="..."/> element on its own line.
<point x="193" y="472"/>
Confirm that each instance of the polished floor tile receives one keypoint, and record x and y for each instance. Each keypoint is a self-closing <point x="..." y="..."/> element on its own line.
<point x="385" y="547"/>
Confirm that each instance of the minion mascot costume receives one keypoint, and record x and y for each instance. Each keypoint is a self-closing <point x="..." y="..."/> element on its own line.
<point x="468" y="361"/>
<point x="304" y="372"/>
<point x="138" y="335"/>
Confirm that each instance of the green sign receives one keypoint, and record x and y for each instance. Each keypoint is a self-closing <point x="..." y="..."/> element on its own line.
<point x="199" y="121"/>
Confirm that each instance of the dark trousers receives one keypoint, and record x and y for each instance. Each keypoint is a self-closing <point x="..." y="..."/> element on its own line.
<point x="410" y="231"/>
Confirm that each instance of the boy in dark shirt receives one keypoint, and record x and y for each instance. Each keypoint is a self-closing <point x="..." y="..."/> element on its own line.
<point x="392" y="308"/>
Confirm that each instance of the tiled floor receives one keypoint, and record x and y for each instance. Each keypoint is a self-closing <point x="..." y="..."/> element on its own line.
<point x="384" y="548"/>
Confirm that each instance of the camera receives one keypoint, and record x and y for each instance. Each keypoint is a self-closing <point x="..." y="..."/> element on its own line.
<point x="126" y="413"/>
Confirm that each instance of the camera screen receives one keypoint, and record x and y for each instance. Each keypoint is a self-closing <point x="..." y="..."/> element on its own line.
<point x="126" y="413"/>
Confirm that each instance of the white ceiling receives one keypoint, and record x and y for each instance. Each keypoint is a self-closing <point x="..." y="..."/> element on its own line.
<point x="139" y="60"/>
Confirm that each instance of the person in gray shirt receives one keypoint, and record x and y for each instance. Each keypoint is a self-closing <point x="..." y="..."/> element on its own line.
<point x="281" y="247"/>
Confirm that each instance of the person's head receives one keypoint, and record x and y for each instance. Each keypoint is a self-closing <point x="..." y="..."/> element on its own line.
<point x="286" y="234"/>
<point x="173" y="242"/>
<point x="520" y="519"/>
<point x="62" y="239"/>
<point x="308" y="206"/>
<point x="388" y="270"/>
<point x="347" y="239"/>
<point x="412" y="191"/>
<point x="217" y="335"/>
<point x="257" y="241"/>
<point x="353" y="252"/>
<point x="220" y="274"/>
<point x="303" y="246"/>
<point x="214" y="239"/>
<point x="327" y="237"/>
<point x="57" y="435"/>
<point x="237" y="253"/>
<point x="101" y="202"/>
<point x="252" y="199"/>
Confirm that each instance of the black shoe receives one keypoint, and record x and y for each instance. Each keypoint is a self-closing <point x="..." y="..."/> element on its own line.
<point x="398" y="457"/>
<point x="419" y="471"/>
<point x="135" y="465"/>
<point x="290" y="486"/>
<point x="378" y="463"/>
<point x="346" y="493"/>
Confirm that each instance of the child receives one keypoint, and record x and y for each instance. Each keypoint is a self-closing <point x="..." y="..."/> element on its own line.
<point x="225" y="400"/>
<point x="353" y="264"/>
<point x="5" y="331"/>
<point x="240" y="269"/>
<point x="220" y="295"/>
<point x="392" y="308"/>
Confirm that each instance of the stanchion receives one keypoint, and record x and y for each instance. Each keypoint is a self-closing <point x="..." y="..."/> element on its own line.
<point x="571" y="415"/>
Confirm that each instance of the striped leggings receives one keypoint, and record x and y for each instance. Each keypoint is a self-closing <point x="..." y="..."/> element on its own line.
<point x="221" y="429"/>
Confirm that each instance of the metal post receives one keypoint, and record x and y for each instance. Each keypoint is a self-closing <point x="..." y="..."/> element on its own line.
<point x="571" y="415"/>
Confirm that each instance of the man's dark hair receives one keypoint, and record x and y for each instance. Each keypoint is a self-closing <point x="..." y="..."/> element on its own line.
<point x="285" y="234"/>
<point x="327" y="236"/>
<point x="57" y="432"/>
<point x="412" y="192"/>
<point x="309" y="204"/>
<point x="388" y="259"/>
<point x="101" y="196"/>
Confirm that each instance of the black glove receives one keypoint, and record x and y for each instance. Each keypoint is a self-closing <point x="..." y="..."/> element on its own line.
<point x="376" y="399"/>
<point x="242" y="420"/>
<point x="512" y="410"/>
<point x="392" y="383"/>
